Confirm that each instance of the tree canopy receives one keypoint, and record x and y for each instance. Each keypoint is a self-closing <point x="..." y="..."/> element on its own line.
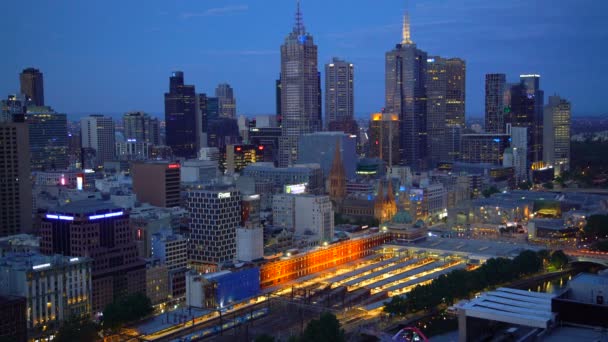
<point x="325" y="329"/>
<point x="461" y="283"/>
<point x="77" y="330"/>
<point x="559" y="259"/>
<point x="126" y="309"/>
<point x="597" y="227"/>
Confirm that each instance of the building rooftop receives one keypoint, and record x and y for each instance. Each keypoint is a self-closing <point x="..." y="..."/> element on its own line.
<point x="86" y="207"/>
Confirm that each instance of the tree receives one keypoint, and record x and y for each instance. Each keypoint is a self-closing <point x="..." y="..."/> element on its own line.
<point x="602" y="246"/>
<point x="548" y="185"/>
<point x="490" y="191"/>
<point x="559" y="259"/>
<point x="264" y="338"/>
<point x="396" y="306"/>
<point x="77" y="330"/>
<point x="126" y="309"/>
<point x="524" y="185"/>
<point x="325" y="329"/>
<point x="597" y="227"/>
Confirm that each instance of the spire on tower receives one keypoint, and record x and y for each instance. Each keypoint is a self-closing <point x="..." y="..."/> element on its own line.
<point x="406" y="38"/>
<point x="299" y="25"/>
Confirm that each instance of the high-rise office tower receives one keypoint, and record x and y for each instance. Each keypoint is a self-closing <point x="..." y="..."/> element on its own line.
<point x="278" y="95"/>
<point x="97" y="133"/>
<point x="157" y="183"/>
<point x="445" y="90"/>
<point x="556" y="136"/>
<point x="15" y="185"/>
<point x="495" y="106"/>
<point x="32" y="85"/>
<point x="214" y="213"/>
<point x="300" y="97"/>
<point x="384" y="137"/>
<point x="141" y="127"/>
<point x="101" y="231"/>
<point x="405" y="83"/>
<point x="339" y="91"/>
<point x="180" y="117"/>
<point x="48" y="135"/>
<point x="456" y="91"/>
<point x="226" y="100"/>
<point x="524" y="108"/>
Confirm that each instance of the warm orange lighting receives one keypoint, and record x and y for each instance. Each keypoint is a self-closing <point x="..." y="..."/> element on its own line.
<point x="173" y="166"/>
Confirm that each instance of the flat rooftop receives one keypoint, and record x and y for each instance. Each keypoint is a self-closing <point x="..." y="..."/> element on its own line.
<point x="85" y="207"/>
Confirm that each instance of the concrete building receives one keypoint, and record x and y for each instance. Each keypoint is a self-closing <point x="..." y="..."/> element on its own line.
<point x="221" y="289"/>
<point x="319" y="148"/>
<point x="157" y="281"/>
<point x="56" y="287"/>
<point x="311" y="174"/>
<point x="405" y="90"/>
<point x="237" y="157"/>
<point x="556" y="135"/>
<point x="339" y="91"/>
<point x="307" y="215"/>
<point x="215" y="213"/>
<point x="100" y="231"/>
<point x="157" y="183"/>
<point x="226" y="100"/>
<point x="16" y="190"/>
<point x="97" y="133"/>
<point x="249" y="243"/>
<point x="133" y="150"/>
<point x="48" y="136"/>
<point x="171" y="249"/>
<point x="198" y="171"/>
<point x="519" y="151"/>
<point x="32" y="85"/>
<point x="141" y="128"/>
<point x="250" y="210"/>
<point x="300" y="90"/>
<point x="144" y="225"/>
<point x="483" y="148"/>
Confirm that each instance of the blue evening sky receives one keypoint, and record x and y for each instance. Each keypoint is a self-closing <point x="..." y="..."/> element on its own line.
<point x="114" y="56"/>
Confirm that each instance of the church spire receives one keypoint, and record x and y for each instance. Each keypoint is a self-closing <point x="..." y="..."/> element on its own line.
<point x="299" y="25"/>
<point x="406" y="37"/>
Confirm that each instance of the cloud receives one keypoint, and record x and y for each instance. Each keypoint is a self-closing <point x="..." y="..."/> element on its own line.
<point x="217" y="11"/>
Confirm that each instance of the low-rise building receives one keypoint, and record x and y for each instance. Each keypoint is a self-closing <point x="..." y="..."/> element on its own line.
<point x="221" y="289"/>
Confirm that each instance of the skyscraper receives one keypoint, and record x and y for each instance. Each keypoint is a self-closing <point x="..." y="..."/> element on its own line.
<point x="32" y="85"/>
<point x="339" y="91"/>
<point x="495" y="107"/>
<point x="141" y="127"/>
<point x="405" y="82"/>
<point x="445" y="90"/>
<point x="226" y="100"/>
<point x="15" y="187"/>
<point x="157" y="183"/>
<point x="97" y="132"/>
<point x="556" y="136"/>
<point x="48" y="136"/>
<point x="384" y="137"/>
<point x="524" y="108"/>
<point x="300" y="97"/>
<point x="180" y="117"/>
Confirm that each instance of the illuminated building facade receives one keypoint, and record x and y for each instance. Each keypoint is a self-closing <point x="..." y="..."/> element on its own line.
<point x="180" y="117"/>
<point x="215" y="214"/>
<point x="140" y="127"/>
<point x="483" y="148"/>
<point x="300" y="90"/>
<point x="495" y="120"/>
<point x="157" y="183"/>
<point x="48" y="134"/>
<point x="101" y="231"/>
<point x="339" y="91"/>
<point x="385" y="207"/>
<point x="56" y="288"/>
<point x="311" y="174"/>
<point x="445" y="88"/>
<point x="384" y="130"/>
<point x="556" y="136"/>
<point x="236" y="157"/>
<point x="318" y="260"/>
<point x="405" y="89"/>
<point x="337" y="176"/>
<point x="32" y="85"/>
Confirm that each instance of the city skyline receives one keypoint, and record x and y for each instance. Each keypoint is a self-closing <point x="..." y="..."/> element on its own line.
<point x="81" y="81"/>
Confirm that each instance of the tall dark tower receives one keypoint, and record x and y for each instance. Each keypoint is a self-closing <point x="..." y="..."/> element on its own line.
<point x="32" y="85"/>
<point x="495" y="118"/>
<point x="180" y="117"/>
<point x="405" y="89"/>
<point x="337" y="176"/>
<point x="300" y="90"/>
